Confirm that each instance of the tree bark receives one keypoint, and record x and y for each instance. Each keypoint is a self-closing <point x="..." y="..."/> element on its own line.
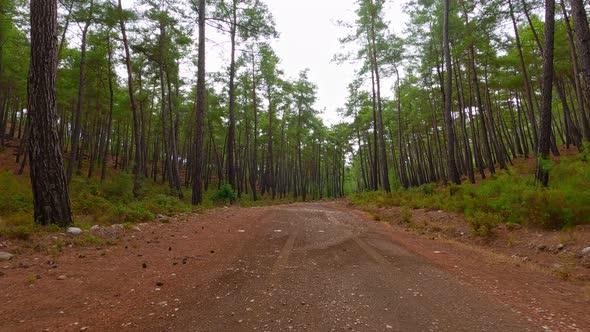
<point x="382" y="147"/>
<point x="451" y="162"/>
<point x="231" y="172"/>
<point x="197" y="195"/>
<point x="50" y="191"/>
<point x="544" y="145"/>
<point x="75" y="149"/>
<point x="138" y="168"/>
<point x="110" y="116"/>
<point x="582" y="33"/>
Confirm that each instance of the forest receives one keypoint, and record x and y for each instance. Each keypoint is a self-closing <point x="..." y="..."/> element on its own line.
<point x="108" y="113"/>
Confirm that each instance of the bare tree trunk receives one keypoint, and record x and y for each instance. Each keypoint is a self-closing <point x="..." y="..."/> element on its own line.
<point x="547" y="92"/>
<point x="231" y="172"/>
<point x="50" y="191"/>
<point x="451" y="162"/>
<point x="110" y="116"/>
<point x="576" y="77"/>
<point x="527" y="83"/>
<point x="138" y="168"/>
<point x="382" y="147"/>
<point x="254" y="166"/>
<point x="197" y="197"/>
<point x="75" y="149"/>
<point x="582" y="33"/>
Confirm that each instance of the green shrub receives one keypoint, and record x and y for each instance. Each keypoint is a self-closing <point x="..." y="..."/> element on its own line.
<point x="406" y="215"/>
<point x="225" y="194"/>
<point x="482" y="223"/>
<point x="165" y="204"/>
<point x="548" y="209"/>
<point x="15" y="195"/>
<point x="87" y="240"/>
<point x="20" y="232"/>
<point x="508" y="197"/>
<point x="427" y="189"/>
<point x="455" y="189"/>
<point x="84" y="203"/>
<point x="118" y="188"/>
<point x="133" y="212"/>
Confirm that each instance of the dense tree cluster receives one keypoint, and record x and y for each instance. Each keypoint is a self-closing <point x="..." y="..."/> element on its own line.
<point x="87" y="86"/>
<point x="125" y="99"/>
<point x="485" y="81"/>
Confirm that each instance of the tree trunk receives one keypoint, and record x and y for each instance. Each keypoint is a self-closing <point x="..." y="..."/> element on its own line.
<point x="544" y="145"/>
<point x="75" y="149"/>
<point x="582" y="33"/>
<point x="197" y="197"/>
<point x="576" y="75"/>
<point x="50" y="191"/>
<point x="254" y="161"/>
<point x="451" y="162"/>
<point x="138" y="168"/>
<point x="232" y="101"/>
<point x="110" y="116"/>
<point x="527" y="83"/>
<point x="382" y="147"/>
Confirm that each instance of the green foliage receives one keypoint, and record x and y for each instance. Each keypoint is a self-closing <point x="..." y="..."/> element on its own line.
<point x="87" y="240"/>
<point x="93" y="202"/>
<point x="585" y="153"/>
<point x="406" y="215"/>
<point x="427" y="189"/>
<point x="545" y="164"/>
<point x="16" y="231"/>
<point x="508" y="197"/>
<point x="482" y="223"/>
<point x="225" y="194"/>
<point x="15" y="196"/>
<point x="119" y="187"/>
<point x="133" y="212"/>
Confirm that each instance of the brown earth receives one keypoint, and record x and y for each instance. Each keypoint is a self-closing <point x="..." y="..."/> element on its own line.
<point x="300" y="267"/>
<point x="552" y="252"/>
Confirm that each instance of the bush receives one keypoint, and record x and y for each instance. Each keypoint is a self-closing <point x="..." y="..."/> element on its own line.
<point x="134" y="212"/>
<point x="166" y="204"/>
<point x="427" y="189"/>
<point x="483" y="224"/>
<point x="20" y="232"/>
<point x="507" y="197"/>
<point x="406" y="215"/>
<point x="225" y="194"/>
<point x="548" y="209"/>
<point x="118" y="188"/>
<point x="15" y="196"/>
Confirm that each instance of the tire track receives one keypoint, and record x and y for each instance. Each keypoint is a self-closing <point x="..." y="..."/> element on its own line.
<point x="372" y="253"/>
<point x="283" y="257"/>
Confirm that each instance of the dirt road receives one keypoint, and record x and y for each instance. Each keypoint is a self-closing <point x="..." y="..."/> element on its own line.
<point x="301" y="267"/>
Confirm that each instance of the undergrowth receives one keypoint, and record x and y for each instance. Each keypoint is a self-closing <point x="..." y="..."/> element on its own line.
<point x="106" y="203"/>
<point x="507" y="197"/>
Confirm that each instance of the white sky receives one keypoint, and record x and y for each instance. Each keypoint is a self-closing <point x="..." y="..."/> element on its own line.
<point x="309" y="39"/>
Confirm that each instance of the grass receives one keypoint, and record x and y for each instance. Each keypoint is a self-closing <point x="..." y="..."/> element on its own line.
<point x="508" y="197"/>
<point x="88" y="240"/>
<point x="106" y="203"/>
<point x="406" y="215"/>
